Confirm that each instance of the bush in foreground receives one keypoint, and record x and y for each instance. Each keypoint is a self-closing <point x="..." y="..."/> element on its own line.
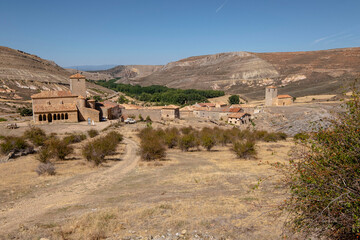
<point x="92" y="133"/>
<point x="13" y="144"/>
<point x="46" y="169"/>
<point x="244" y="149"/>
<point x="96" y="150"/>
<point x="323" y="177"/>
<point x="36" y="135"/>
<point x="74" y="138"/>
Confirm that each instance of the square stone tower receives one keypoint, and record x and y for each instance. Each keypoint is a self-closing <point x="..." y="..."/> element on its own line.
<point x="270" y="95"/>
<point x="78" y="85"/>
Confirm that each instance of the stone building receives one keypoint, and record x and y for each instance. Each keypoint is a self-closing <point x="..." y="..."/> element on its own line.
<point x="110" y="110"/>
<point x="170" y="112"/>
<point x="284" y="100"/>
<point x="273" y="99"/>
<point x="239" y="118"/>
<point x="65" y="106"/>
<point x="270" y="95"/>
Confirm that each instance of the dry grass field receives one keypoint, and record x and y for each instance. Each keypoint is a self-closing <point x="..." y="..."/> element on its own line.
<point x="211" y="195"/>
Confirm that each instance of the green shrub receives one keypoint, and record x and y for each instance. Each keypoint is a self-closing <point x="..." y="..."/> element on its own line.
<point x="74" y="138"/>
<point x="25" y="111"/>
<point x="271" y="137"/>
<point x="141" y="119"/>
<point x="207" y="138"/>
<point x="45" y="154"/>
<point x="301" y="136"/>
<point x="36" y="135"/>
<point x="234" y="99"/>
<point x="59" y="148"/>
<point x="152" y="149"/>
<point x="11" y="144"/>
<point x="93" y="133"/>
<point x="281" y="135"/>
<point x="3" y="119"/>
<point x="171" y="137"/>
<point x="323" y="176"/>
<point x="148" y="119"/>
<point x="187" y="141"/>
<point x="244" y="149"/>
<point x="96" y="150"/>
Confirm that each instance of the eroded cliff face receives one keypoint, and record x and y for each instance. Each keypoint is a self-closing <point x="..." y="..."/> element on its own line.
<point x="298" y="73"/>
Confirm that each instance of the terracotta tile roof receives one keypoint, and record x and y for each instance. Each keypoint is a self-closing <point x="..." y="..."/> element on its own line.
<point x="201" y="109"/>
<point x="109" y="104"/>
<point x="170" y="107"/>
<point x="53" y="94"/>
<point x="77" y="76"/>
<point x="45" y="108"/>
<point x="238" y="115"/>
<point x="235" y="109"/>
<point x="284" y="96"/>
<point x="271" y="87"/>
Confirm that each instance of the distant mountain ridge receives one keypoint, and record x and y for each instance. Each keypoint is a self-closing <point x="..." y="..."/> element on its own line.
<point x="92" y="67"/>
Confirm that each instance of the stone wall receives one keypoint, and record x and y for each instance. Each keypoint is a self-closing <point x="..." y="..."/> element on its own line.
<point x="154" y="114"/>
<point x="284" y="102"/>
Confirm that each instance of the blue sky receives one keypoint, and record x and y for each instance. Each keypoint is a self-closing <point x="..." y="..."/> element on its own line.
<point x="159" y="31"/>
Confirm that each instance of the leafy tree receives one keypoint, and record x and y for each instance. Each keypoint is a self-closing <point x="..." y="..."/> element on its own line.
<point x="25" y="111"/>
<point x="324" y="179"/>
<point x="97" y="98"/>
<point x="122" y="99"/>
<point x="234" y="99"/>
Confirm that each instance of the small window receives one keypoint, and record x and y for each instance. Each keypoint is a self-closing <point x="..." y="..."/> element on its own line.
<point x="62" y="116"/>
<point x="66" y="116"/>
<point x="40" y="118"/>
<point x="54" y="117"/>
<point x="44" y="117"/>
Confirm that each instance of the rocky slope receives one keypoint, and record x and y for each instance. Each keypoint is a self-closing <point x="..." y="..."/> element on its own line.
<point x="23" y="74"/>
<point x="297" y="73"/>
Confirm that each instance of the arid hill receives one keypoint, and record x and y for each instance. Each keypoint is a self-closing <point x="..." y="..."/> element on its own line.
<point x="297" y="73"/>
<point x="23" y="74"/>
<point x="130" y="73"/>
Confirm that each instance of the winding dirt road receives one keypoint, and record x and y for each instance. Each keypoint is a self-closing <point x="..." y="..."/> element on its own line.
<point x="68" y="194"/>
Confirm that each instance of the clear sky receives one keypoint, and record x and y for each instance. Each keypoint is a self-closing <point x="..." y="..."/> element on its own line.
<point x="159" y="31"/>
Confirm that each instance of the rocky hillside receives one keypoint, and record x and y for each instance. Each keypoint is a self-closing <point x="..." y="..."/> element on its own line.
<point x="297" y="73"/>
<point x="131" y="73"/>
<point x="23" y="74"/>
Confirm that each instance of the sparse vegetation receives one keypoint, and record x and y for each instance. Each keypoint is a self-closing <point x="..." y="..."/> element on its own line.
<point x="59" y="148"/>
<point x="93" y="133"/>
<point x="3" y="119"/>
<point x="74" y="138"/>
<point x="25" y="111"/>
<point x="152" y="146"/>
<point x="13" y="144"/>
<point x="96" y="150"/>
<point x="323" y="177"/>
<point x="36" y="135"/>
<point x="122" y="99"/>
<point x="46" y="169"/>
<point x="244" y="149"/>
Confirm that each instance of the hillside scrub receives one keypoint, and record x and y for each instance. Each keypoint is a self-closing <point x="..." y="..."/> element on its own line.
<point x="93" y="133"/>
<point x="13" y="144"/>
<point x="152" y="144"/>
<point x="324" y="179"/>
<point x="244" y="149"/>
<point x="96" y="150"/>
<point x="36" y="135"/>
<point x="74" y="138"/>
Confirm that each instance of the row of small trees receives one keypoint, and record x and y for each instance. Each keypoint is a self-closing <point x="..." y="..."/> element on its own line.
<point x="155" y="141"/>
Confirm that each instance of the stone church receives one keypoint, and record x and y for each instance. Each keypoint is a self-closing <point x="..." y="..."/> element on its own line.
<point x="65" y="106"/>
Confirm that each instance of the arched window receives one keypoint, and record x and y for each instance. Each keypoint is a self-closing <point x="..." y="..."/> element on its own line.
<point x="62" y="116"/>
<point x="49" y="117"/>
<point x="54" y="117"/>
<point x="44" y="117"/>
<point x="66" y="116"/>
<point x="40" y="118"/>
<point x="58" y="116"/>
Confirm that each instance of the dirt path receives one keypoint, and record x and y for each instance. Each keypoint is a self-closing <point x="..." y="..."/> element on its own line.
<point x="72" y="193"/>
